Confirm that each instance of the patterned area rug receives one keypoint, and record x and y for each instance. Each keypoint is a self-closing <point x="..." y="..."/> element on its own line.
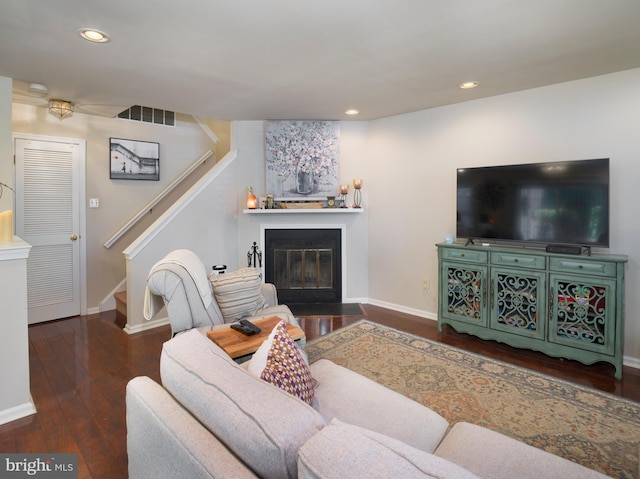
<point x="593" y="428"/>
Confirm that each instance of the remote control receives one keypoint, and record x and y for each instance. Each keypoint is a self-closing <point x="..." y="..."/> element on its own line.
<point x="250" y="325"/>
<point x="245" y="327"/>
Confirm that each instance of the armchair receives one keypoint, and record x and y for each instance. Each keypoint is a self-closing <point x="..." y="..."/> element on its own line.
<point x="179" y="282"/>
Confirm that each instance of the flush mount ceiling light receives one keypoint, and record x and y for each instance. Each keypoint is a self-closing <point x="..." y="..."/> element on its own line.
<point x="61" y="109"/>
<point x="352" y="111"/>
<point x="468" y="84"/>
<point x="93" y="35"/>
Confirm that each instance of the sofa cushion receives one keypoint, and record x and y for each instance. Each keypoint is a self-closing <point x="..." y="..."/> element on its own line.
<point x="491" y="454"/>
<point x="343" y="450"/>
<point x="279" y="362"/>
<point x="239" y="293"/>
<point x="260" y="423"/>
<point x="357" y="400"/>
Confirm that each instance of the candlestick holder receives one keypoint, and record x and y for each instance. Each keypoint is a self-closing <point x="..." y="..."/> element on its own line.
<point x="344" y="191"/>
<point x="254" y="256"/>
<point x="357" y="193"/>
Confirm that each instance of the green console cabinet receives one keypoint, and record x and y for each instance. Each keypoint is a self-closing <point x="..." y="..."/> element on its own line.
<point x="569" y="306"/>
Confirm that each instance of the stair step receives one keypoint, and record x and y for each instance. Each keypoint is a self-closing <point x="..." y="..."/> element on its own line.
<point x="121" y="308"/>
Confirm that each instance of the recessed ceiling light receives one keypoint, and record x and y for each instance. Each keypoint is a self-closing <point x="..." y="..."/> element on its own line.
<point x="93" y="35"/>
<point x="468" y="84"/>
<point x="352" y="111"/>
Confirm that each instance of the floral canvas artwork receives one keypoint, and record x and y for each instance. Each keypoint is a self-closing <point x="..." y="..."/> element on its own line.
<point x="302" y="158"/>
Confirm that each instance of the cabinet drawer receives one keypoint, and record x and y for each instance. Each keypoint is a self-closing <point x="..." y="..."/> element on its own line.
<point x="468" y="255"/>
<point x="519" y="260"/>
<point x="599" y="268"/>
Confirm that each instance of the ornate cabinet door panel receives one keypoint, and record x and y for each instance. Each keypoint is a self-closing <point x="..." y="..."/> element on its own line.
<point x="583" y="312"/>
<point x="517" y="299"/>
<point x="464" y="292"/>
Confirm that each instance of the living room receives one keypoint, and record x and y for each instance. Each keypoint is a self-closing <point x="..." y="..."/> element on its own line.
<point x="580" y="117"/>
<point x="408" y="163"/>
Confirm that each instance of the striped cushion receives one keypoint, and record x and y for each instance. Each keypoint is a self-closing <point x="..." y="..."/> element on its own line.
<point x="238" y="293"/>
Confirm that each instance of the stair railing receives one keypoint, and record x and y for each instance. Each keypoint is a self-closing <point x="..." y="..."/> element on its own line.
<point x="149" y="206"/>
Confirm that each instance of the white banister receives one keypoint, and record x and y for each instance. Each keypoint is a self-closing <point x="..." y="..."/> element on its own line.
<point x="149" y="206"/>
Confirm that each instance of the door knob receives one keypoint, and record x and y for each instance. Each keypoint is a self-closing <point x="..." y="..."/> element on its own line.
<point x="74" y="237"/>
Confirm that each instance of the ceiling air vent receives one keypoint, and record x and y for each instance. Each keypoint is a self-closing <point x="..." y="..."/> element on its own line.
<point x="149" y="115"/>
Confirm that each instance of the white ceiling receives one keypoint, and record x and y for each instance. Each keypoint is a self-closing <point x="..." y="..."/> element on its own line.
<point x="304" y="59"/>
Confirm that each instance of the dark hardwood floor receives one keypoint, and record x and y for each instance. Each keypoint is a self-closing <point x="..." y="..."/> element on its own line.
<point x="80" y="367"/>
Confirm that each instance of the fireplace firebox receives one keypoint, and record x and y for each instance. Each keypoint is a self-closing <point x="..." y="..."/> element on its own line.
<point x="304" y="264"/>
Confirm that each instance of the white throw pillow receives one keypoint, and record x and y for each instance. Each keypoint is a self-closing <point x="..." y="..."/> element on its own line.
<point x="239" y="293"/>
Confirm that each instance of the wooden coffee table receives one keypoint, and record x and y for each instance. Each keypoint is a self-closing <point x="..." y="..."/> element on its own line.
<point x="237" y="344"/>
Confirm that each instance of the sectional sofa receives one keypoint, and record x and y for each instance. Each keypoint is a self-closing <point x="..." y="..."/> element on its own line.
<point x="212" y="418"/>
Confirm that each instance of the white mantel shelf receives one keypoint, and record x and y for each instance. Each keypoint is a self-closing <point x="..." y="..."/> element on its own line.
<point x="281" y="211"/>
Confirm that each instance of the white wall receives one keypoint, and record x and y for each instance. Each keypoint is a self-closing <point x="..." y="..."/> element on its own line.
<point x="414" y="157"/>
<point x="248" y="138"/>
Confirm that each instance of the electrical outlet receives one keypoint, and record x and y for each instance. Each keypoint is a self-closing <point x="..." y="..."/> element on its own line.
<point x="426" y="284"/>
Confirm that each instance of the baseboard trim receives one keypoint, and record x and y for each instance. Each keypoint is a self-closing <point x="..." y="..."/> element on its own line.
<point x="146" y="326"/>
<point x="631" y="362"/>
<point x="404" y="309"/>
<point x="18" y="412"/>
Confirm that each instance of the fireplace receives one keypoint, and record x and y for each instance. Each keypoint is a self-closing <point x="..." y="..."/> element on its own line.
<point x="304" y="264"/>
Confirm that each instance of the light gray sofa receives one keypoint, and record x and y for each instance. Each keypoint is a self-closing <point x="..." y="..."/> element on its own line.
<point x="212" y="418"/>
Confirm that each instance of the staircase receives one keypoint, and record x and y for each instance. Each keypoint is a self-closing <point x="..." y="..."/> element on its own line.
<point x="121" y="308"/>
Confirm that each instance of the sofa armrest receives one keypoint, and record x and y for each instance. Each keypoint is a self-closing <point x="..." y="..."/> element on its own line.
<point x="270" y="294"/>
<point x="355" y="399"/>
<point x="182" y="299"/>
<point x="164" y="440"/>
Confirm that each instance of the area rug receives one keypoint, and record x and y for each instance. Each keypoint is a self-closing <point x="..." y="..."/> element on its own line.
<point x="587" y="426"/>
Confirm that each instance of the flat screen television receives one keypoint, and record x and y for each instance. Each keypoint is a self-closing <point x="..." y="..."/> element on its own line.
<point x="564" y="203"/>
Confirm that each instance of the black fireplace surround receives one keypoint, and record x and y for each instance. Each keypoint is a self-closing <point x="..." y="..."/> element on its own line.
<point x="304" y="264"/>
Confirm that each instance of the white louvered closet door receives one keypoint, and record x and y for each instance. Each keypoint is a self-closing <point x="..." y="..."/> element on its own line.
<point x="47" y="217"/>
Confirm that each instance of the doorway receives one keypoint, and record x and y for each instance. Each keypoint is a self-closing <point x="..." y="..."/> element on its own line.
<point x="50" y="185"/>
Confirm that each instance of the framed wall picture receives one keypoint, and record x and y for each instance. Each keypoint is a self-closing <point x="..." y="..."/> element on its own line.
<point x="302" y="158"/>
<point x="134" y="160"/>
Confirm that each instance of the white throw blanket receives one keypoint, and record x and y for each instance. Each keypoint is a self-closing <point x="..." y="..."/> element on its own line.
<point x="152" y="304"/>
<point x="192" y="264"/>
